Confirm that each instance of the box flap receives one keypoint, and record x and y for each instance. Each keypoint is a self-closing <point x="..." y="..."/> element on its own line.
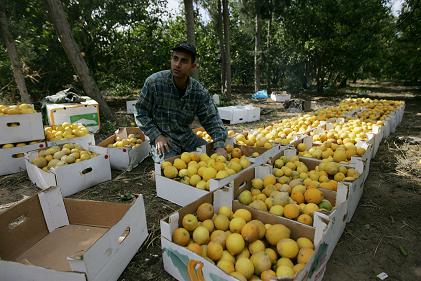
<point x="21" y="227"/>
<point x="53" y="208"/>
<point x="95" y="213"/>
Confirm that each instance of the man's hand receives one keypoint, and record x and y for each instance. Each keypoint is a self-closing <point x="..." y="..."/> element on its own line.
<point x="162" y="144"/>
<point x="221" y="151"/>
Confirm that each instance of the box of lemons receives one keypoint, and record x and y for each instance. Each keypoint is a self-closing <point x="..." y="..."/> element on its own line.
<point x="240" y="243"/>
<point x="127" y="148"/>
<point x="260" y="190"/>
<point x="20" y="123"/>
<point x="185" y="178"/>
<point x="70" y="166"/>
<point x="323" y="174"/>
<point x="12" y="156"/>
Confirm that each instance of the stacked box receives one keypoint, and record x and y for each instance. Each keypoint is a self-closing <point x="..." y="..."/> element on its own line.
<point x="86" y="113"/>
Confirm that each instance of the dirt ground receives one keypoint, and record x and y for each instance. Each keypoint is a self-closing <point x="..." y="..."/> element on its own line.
<point x="382" y="236"/>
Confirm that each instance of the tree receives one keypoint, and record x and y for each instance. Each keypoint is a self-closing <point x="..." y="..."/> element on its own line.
<point x="222" y="51"/>
<point x="13" y="55"/>
<point x="191" y="37"/>
<point x="75" y="56"/>
<point x="227" y="51"/>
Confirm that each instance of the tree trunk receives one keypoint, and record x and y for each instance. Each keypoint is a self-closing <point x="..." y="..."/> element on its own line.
<point x="220" y="34"/>
<point x="257" y="52"/>
<point x="13" y="55"/>
<point x="71" y="48"/>
<point x="269" y="56"/>
<point x="319" y="79"/>
<point x="227" y="39"/>
<point x="191" y="38"/>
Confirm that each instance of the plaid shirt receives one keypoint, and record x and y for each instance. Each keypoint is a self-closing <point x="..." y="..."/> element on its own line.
<point x="161" y="110"/>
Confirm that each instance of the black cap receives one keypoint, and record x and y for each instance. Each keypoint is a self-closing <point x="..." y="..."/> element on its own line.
<point x="184" y="46"/>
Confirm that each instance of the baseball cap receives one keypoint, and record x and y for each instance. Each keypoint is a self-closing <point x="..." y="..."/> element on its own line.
<point x="184" y="46"/>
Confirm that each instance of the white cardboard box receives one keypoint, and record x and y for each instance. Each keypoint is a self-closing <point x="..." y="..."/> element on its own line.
<point x="13" y="160"/>
<point x="239" y="114"/>
<point x="21" y="128"/>
<point x="183" y="194"/>
<point x="86" y="113"/>
<point x="337" y="217"/>
<point x="74" y="177"/>
<point x="280" y="97"/>
<point x="130" y="105"/>
<point x="84" y="141"/>
<point x="178" y="259"/>
<point x="355" y="188"/>
<point x="126" y="158"/>
<point x="46" y="238"/>
<point x="253" y="113"/>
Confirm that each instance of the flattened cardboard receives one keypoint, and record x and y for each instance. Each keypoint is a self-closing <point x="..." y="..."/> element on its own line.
<point x="11" y="162"/>
<point x="28" y="128"/>
<point x="84" y="141"/>
<point x="127" y="158"/>
<point x="50" y="252"/>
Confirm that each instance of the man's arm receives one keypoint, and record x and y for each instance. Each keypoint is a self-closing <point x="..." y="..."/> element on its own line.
<point x="144" y="106"/>
<point x="209" y="118"/>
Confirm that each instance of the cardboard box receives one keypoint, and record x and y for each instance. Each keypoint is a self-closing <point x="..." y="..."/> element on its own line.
<point x="84" y="141"/>
<point x="46" y="238"/>
<point x="74" y="177"/>
<point x="239" y="114"/>
<point x="13" y="160"/>
<point x="86" y="113"/>
<point x="355" y="188"/>
<point x="181" y="262"/>
<point x="280" y="97"/>
<point x="365" y="158"/>
<point x="130" y="105"/>
<point x="243" y="182"/>
<point x="21" y="128"/>
<point x="337" y="217"/>
<point x="126" y="158"/>
<point x="253" y="113"/>
<point x="183" y="194"/>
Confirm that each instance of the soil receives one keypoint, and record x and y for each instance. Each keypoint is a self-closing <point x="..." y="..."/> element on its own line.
<point x="382" y="236"/>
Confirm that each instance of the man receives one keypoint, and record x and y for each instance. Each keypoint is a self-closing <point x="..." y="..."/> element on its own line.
<point x="168" y="103"/>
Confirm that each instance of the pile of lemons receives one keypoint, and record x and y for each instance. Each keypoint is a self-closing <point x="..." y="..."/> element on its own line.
<point x="132" y="141"/>
<point x="23" y="108"/>
<point x="65" y="131"/>
<point x="196" y="169"/>
<point x="65" y="154"/>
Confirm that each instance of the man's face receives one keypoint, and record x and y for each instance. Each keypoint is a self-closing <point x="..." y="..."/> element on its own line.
<point x="181" y="64"/>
